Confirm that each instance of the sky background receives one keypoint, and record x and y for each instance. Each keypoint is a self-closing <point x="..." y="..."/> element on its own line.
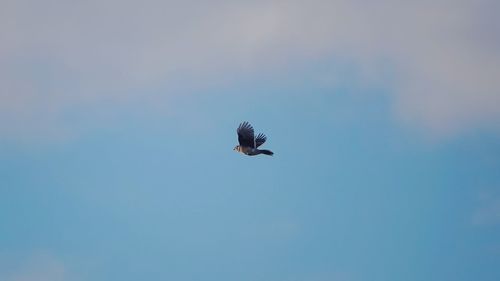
<point x="118" y="120"/>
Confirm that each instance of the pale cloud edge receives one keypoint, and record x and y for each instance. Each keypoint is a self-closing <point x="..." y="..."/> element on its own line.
<point x="37" y="266"/>
<point x="488" y="209"/>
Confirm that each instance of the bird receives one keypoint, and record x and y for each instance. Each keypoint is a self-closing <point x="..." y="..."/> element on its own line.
<point x="248" y="142"/>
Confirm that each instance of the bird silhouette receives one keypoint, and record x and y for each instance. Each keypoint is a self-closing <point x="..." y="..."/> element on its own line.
<point x="248" y="142"/>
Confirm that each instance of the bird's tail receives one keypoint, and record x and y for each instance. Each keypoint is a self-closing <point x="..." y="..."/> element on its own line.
<point x="266" y="152"/>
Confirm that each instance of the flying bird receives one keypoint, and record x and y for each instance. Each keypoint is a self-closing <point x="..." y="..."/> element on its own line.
<point x="248" y="142"/>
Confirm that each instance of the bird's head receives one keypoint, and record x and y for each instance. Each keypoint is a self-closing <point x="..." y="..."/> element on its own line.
<point x="236" y="148"/>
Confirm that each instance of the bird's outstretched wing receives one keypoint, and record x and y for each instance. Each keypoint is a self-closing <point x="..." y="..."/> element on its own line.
<point x="260" y="139"/>
<point x="246" y="135"/>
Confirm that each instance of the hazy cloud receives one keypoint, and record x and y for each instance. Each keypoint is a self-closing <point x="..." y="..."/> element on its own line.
<point x="38" y="267"/>
<point x="488" y="211"/>
<point x="57" y="57"/>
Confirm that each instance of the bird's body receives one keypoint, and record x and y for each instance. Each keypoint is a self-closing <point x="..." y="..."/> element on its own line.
<point x="249" y="151"/>
<point x="248" y="142"/>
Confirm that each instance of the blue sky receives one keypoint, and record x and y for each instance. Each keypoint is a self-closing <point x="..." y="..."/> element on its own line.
<point x="118" y="123"/>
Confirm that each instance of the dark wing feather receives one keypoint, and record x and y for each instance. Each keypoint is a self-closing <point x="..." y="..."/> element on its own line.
<point x="246" y="135"/>
<point x="260" y="139"/>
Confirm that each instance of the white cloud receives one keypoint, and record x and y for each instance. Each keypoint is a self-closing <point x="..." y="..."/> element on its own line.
<point x="58" y="56"/>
